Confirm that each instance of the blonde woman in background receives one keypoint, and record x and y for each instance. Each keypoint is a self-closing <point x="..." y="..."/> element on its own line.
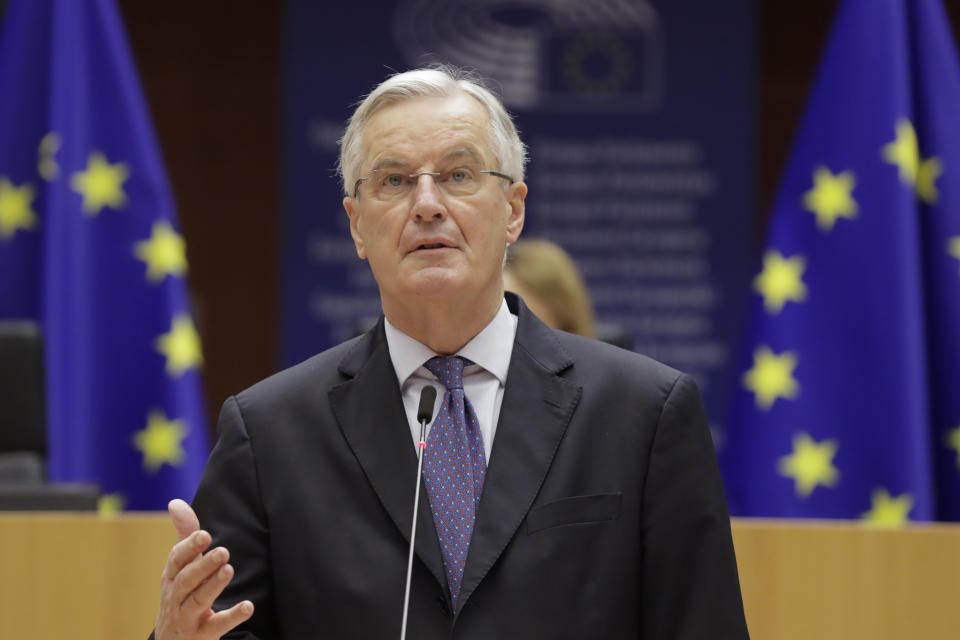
<point x="542" y="273"/>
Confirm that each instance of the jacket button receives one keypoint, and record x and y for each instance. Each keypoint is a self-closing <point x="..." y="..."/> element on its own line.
<point x="442" y="603"/>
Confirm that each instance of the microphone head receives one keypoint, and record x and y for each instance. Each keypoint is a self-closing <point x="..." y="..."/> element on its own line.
<point x="427" y="397"/>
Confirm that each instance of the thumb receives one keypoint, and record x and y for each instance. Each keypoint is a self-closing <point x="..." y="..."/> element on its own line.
<point x="184" y="519"/>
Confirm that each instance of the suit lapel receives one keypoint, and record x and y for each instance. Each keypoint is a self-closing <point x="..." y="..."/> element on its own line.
<point x="369" y="410"/>
<point x="536" y="409"/>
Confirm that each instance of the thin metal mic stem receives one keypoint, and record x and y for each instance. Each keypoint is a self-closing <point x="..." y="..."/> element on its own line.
<point x="413" y="527"/>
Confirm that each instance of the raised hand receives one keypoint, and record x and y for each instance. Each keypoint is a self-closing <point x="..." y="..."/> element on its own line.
<point x="191" y="581"/>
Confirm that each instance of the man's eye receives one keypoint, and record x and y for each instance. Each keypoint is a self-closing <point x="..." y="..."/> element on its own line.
<point x="393" y="180"/>
<point x="459" y="175"/>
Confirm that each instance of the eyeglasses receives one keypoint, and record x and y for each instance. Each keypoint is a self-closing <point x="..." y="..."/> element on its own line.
<point x="389" y="185"/>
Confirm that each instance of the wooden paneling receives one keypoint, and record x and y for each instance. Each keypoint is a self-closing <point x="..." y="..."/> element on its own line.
<point x="847" y="582"/>
<point x="79" y="576"/>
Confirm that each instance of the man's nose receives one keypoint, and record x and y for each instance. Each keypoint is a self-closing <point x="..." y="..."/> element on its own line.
<point x="428" y="201"/>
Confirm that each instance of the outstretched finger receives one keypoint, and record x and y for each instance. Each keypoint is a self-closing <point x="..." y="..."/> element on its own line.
<point x="197" y="572"/>
<point x="185" y="552"/>
<point x="223" y="621"/>
<point x="202" y="597"/>
<point x="184" y="518"/>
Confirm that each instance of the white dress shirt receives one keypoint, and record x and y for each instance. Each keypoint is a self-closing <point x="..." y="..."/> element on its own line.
<point x="483" y="381"/>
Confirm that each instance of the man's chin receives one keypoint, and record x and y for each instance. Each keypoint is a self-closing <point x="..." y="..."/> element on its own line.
<point x="430" y="282"/>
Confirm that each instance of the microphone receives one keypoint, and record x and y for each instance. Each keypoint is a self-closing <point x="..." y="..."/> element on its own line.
<point x="425" y="411"/>
<point x="424" y="415"/>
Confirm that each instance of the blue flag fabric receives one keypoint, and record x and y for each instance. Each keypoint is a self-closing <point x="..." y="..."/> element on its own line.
<point x="849" y="401"/>
<point x="89" y="248"/>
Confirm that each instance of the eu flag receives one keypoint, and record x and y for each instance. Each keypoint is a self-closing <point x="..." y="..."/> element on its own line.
<point x="90" y="249"/>
<point x="848" y="403"/>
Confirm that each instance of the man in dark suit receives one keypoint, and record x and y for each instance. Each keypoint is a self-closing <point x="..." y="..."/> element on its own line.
<point x="571" y="487"/>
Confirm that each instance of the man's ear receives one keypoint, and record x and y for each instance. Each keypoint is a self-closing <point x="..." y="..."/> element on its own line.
<point x="353" y="211"/>
<point x="516" y="197"/>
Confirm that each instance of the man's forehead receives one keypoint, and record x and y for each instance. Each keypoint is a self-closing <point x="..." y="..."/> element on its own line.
<point x="442" y="128"/>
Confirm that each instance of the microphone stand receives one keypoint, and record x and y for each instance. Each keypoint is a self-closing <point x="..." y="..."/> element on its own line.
<point x="424" y="415"/>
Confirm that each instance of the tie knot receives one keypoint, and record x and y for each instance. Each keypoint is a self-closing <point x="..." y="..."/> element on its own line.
<point x="448" y="369"/>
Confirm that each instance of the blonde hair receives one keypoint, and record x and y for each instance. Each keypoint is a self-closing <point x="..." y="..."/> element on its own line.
<point x="548" y="272"/>
<point x="438" y="81"/>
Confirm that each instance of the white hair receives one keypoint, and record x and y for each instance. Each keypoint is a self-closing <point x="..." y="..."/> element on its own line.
<point x="438" y="81"/>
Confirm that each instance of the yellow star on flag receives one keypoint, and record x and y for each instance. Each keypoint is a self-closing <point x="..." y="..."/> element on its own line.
<point x="781" y="280"/>
<point x="772" y="377"/>
<point x="904" y="152"/>
<point x="15" y="208"/>
<point x="953" y="441"/>
<point x="101" y="184"/>
<point x="47" y="165"/>
<point x="160" y="441"/>
<point x="164" y="253"/>
<point x="111" y="505"/>
<point x="927" y="174"/>
<point x="953" y="247"/>
<point x="887" y="511"/>
<point x="810" y="464"/>
<point x="181" y="346"/>
<point x="831" y="197"/>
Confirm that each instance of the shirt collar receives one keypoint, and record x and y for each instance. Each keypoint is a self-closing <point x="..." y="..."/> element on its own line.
<point x="491" y="348"/>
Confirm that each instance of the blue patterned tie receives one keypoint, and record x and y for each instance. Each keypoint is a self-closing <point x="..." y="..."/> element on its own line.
<point x="454" y="467"/>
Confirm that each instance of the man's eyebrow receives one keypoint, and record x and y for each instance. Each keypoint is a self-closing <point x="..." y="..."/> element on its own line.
<point x="389" y="163"/>
<point x="468" y="152"/>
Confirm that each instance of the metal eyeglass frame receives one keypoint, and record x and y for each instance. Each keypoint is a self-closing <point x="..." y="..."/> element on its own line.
<point x="435" y="174"/>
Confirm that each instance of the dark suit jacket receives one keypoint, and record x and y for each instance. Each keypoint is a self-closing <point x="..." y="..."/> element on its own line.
<point x="602" y="514"/>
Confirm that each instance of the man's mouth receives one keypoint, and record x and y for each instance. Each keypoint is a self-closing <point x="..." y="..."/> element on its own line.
<point x="432" y="244"/>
